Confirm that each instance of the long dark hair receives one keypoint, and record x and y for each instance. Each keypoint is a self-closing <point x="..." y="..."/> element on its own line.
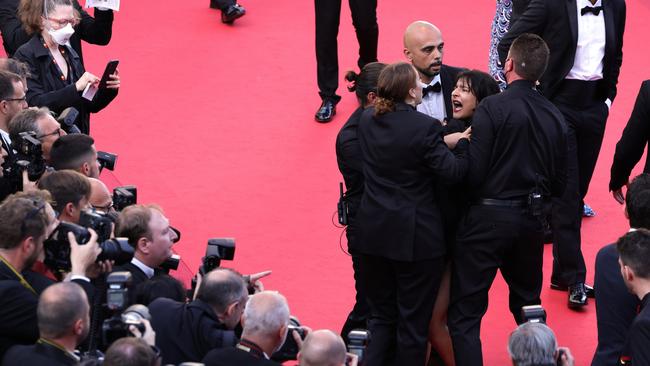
<point x="365" y="82"/>
<point x="393" y="86"/>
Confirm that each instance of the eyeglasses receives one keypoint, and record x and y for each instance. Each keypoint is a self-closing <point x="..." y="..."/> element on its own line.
<point x="55" y="132"/>
<point x="103" y="208"/>
<point x="64" y="22"/>
<point x="22" y="100"/>
<point x="30" y="215"/>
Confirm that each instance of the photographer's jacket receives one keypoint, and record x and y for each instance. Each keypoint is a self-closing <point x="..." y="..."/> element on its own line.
<point x="187" y="332"/>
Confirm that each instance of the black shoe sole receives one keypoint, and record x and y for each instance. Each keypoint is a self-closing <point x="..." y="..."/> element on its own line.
<point x="590" y="293"/>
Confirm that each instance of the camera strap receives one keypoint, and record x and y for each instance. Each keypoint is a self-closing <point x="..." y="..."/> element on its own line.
<point x="251" y="348"/>
<point x="22" y="279"/>
<point x="47" y="342"/>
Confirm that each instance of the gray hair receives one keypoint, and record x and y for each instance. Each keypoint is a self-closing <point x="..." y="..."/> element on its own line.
<point x="26" y="120"/>
<point x="532" y="344"/>
<point x="265" y="313"/>
<point x="59" y="307"/>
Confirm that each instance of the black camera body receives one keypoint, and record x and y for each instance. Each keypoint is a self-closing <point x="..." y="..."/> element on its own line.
<point x="24" y="154"/>
<point x="124" y="196"/>
<point x="358" y="340"/>
<point x="98" y="221"/>
<point x="290" y="349"/>
<point x="171" y="263"/>
<point x="67" y="119"/>
<point x="106" y="160"/>
<point x="57" y="247"/>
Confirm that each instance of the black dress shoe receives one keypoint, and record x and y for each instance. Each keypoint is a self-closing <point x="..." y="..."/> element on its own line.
<point x="589" y="290"/>
<point x="577" y="296"/>
<point x="326" y="111"/>
<point x="233" y="12"/>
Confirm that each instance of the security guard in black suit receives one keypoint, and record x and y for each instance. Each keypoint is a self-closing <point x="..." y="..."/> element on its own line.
<point x="517" y="163"/>
<point x="401" y="240"/>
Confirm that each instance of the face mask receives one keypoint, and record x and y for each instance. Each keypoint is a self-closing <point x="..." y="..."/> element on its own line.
<point x="62" y="36"/>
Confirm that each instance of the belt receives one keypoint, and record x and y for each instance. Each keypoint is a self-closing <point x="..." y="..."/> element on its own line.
<point x="502" y="203"/>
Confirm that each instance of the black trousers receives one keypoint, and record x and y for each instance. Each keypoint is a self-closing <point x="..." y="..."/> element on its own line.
<point x="491" y="238"/>
<point x="358" y="317"/>
<point x="328" y="14"/>
<point x="401" y="297"/>
<point x="585" y="118"/>
<point x="222" y="4"/>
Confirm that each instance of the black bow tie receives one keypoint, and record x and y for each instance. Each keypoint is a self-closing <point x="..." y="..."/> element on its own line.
<point x="435" y="88"/>
<point x="595" y="10"/>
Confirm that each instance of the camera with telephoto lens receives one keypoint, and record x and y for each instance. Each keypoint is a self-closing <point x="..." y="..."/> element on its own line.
<point x="67" y="120"/>
<point x="533" y="314"/>
<point x="24" y="154"/>
<point x="290" y="349"/>
<point x="106" y="160"/>
<point x="124" y="196"/>
<point x="217" y="249"/>
<point x="358" y="340"/>
<point x="117" y="300"/>
<point x="98" y="221"/>
<point x="57" y="247"/>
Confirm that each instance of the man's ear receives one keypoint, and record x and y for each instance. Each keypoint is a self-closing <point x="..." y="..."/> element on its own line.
<point x="69" y="208"/>
<point x="230" y="310"/>
<point x="27" y="245"/>
<point x="408" y="54"/>
<point x="3" y="106"/>
<point x="143" y="245"/>
<point x="85" y="169"/>
<point x="78" y="327"/>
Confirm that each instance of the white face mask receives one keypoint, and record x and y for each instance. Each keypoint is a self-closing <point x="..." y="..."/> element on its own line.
<point x="62" y="36"/>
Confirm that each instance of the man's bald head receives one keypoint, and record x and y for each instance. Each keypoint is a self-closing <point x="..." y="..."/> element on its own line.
<point x="423" y="47"/>
<point x="322" y="348"/>
<point x="100" y="196"/>
<point x="60" y="306"/>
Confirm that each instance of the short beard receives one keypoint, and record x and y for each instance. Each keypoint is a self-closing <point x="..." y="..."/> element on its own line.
<point x="426" y="72"/>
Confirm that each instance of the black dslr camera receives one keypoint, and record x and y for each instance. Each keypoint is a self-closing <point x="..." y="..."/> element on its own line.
<point x="289" y="350"/>
<point x="124" y="196"/>
<point x="106" y="160"/>
<point x="358" y="340"/>
<point x="117" y="300"/>
<point x="25" y="153"/>
<point x="57" y="247"/>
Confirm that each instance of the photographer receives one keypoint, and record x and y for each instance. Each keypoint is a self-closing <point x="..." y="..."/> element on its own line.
<point x="322" y="348"/>
<point x="39" y="120"/>
<point x="534" y="344"/>
<point x="70" y="191"/>
<point x="187" y="332"/>
<point x="100" y="197"/>
<point x="63" y="321"/>
<point x="75" y="152"/>
<point x="26" y="220"/>
<point x="148" y="231"/>
<point x="265" y="322"/>
<point x="12" y="100"/>
<point x="131" y="352"/>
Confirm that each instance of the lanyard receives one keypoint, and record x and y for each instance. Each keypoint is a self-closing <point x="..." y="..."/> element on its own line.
<point x="251" y="348"/>
<point x="57" y="346"/>
<point x="22" y="280"/>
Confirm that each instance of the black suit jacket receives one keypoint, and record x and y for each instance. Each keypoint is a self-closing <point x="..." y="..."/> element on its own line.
<point x="46" y="89"/>
<point x="350" y="161"/>
<point x="404" y="155"/>
<point x="37" y="354"/>
<point x="137" y="276"/>
<point x="97" y="30"/>
<point x="234" y="357"/>
<point x="636" y="135"/>
<point x="556" y="21"/>
<point x="636" y="347"/>
<point x="448" y="82"/>
<point x="187" y="332"/>
<point x="616" y="307"/>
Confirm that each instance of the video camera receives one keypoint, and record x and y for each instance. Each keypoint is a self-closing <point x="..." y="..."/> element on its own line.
<point x="57" y="247"/>
<point x="25" y="153"/>
<point x="290" y="349"/>
<point x="117" y="300"/>
<point x="124" y="196"/>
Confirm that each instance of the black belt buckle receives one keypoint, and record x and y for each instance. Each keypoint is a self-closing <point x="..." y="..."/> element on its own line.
<point x="535" y="204"/>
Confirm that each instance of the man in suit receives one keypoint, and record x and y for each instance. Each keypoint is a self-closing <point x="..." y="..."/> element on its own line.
<point x="265" y="325"/>
<point x="322" y="348"/>
<point x="424" y="48"/>
<point x="586" y="40"/>
<point x="26" y="220"/>
<point x="76" y="152"/>
<point x="328" y="14"/>
<point x="63" y="321"/>
<point x="95" y="30"/>
<point x="148" y="231"/>
<point x="129" y="351"/>
<point x="615" y="306"/>
<point x="511" y="180"/>
<point x="634" y="260"/>
<point x="41" y="121"/>
<point x="186" y="332"/>
<point x="629" y="148"/>
<point x="12" y="100"/>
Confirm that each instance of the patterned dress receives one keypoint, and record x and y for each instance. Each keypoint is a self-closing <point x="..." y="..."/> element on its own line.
<point x="499" y="28"/>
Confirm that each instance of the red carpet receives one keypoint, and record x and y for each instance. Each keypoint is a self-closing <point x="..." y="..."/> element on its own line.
<point x="215" y="123"/>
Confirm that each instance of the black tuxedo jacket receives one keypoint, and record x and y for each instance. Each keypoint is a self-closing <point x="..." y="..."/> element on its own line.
<point x="638" y="339"/>
<point x="187" y="332"/>
<point x="235" y="357"/>
<point x="404" y="155"/>
<point x="38" y="354"/>
<point x="448" y="82"/>
<point x="97" y="30"/>
<point x="137" y="276"/>
<point x="556" y="21"/>
<point x="636" y="135"/>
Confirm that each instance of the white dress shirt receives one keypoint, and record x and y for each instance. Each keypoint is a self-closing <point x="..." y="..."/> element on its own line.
<point x="434" y="103"/>
<point x="143" y="267"/>
<point x="590" y="50"/>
